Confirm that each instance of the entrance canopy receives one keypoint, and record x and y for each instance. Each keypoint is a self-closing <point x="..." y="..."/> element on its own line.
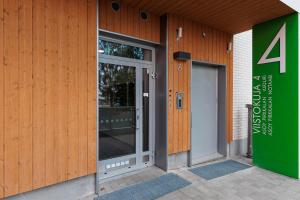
<point x="232" y="16"/>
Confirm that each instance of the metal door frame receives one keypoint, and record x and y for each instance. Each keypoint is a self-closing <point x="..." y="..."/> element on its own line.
<point x="139" y="65"/>
<point x="193" y="62"/>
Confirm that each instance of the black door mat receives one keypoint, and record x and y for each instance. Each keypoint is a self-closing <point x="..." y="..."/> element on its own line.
<point x="216" y="170"/>
<point x="148" y="190"/>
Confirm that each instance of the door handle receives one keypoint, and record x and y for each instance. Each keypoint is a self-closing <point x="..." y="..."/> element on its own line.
<point x="137" y="126"/>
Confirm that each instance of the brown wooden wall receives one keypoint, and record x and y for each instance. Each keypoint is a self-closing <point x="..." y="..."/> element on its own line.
<point x="47" y="92"/>
<point x="212" y="49"/>
<point x="127" y="21"/>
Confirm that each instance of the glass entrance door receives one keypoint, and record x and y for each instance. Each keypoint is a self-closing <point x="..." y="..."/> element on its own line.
<point x="125" y="140"/>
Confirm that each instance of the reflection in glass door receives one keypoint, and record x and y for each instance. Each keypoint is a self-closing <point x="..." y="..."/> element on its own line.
<point x="117" y="105"/>
<point x="145" y="106"/>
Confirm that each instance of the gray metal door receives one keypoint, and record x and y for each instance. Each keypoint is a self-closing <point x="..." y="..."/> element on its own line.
<point x="204" y="108"/>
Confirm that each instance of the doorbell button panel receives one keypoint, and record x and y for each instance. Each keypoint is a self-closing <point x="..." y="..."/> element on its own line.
<point x="179" y="100"/>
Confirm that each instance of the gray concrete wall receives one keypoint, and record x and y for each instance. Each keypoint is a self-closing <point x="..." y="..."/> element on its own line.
<point x="238" y="147"/>
<point x="70" y="190"/>
<point x="176" y="161"/>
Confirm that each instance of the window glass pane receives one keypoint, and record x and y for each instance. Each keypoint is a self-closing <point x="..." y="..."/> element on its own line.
<point x="122" y="50"/>
<point x="145" y="110"/>
<point x="117" y="111"/>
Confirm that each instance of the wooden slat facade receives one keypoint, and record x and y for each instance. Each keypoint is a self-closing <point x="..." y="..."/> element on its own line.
<point x="211" y="49"/>
<point x="1" y="100"/>
<point x="127" y="21"/>
<point x="47" y="92"/>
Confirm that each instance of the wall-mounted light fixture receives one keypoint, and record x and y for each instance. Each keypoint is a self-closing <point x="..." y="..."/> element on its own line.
<point x="229" y="47"/>
<point x="179" y="33"/>
<point x="182" y="56"/>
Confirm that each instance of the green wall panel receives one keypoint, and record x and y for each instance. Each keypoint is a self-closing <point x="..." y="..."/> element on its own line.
<point x="275" y="98"/>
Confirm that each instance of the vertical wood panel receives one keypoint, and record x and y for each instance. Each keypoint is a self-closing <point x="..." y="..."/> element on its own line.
<point x="25" y="95"/>
<point x="206" y="43"/>
<point x="92" y="39"/>
<point x="183" y="88"/>
<point x="197" y="40"/>
<point x="148" y="27"/>
<point x="156" y="29"/>
<point x="188" y="48"/>
<point x="130" y="18"/>
<point x="38" y="101"/>
<point x="154" y="24"/>
<point x="214" y="46"/>
<point x="230" y="92"/>
<point x="61" y="150"/>
<point x="210" y="45"/>
<point x="11" y="105"/>
<point x="209" y="48"/>
<point x="201" y="42"/>
<point x="51" y="91"/>
<point x="136" y="23"/>
<point x="124" y="23"/>
<point x="175" y="85"/>
<point x="194" y="46"/>
<point x="221" y="46"/>
<point x="142" y="26"/>
<point x="180" y="74"/>
<point x="73" y="142"/>
<point x="83" y="94"/>
<point x="2" y="95"/>
<point x="109" y="17"/>
<point x="103" y="14"/>
<point x="117" y="21"/>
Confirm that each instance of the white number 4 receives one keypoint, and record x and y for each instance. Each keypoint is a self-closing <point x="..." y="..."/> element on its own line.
<point x="282" y="37"/>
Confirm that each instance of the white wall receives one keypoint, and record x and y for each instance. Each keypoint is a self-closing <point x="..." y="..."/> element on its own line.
<point x="294" y="4"/>
<point x="242" y="82"/>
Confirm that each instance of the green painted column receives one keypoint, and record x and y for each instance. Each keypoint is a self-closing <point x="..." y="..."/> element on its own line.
<point x="275" y="95"/>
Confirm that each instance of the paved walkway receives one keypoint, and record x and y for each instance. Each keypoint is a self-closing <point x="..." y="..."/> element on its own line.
<point x="249" y="184"/>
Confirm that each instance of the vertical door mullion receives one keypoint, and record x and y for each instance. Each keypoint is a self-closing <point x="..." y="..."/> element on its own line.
<point x="141" y="111"/>
<point x="151" y="115"/>
<point x="141" y="114"/>
<point x="138" y="116"/>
